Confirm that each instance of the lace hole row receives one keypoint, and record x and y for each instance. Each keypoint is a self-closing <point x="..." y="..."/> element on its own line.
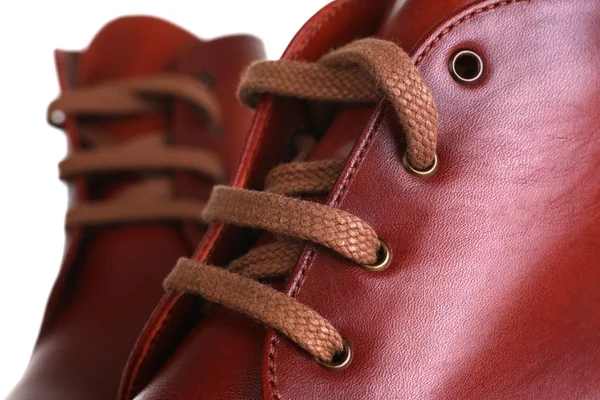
<point x="342" y="360"/>
<point x="466" y="67"/>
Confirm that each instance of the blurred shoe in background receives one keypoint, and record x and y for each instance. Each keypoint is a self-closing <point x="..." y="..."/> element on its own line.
<point x="153" y="123"/>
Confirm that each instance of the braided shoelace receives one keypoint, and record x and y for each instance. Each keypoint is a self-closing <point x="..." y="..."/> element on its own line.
<point x="149" y="200"/>
<point x="363" y="71"/>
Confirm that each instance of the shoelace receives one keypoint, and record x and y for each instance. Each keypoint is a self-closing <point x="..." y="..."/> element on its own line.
<point x="363" y="71"/>
<point x="149" y="200"/>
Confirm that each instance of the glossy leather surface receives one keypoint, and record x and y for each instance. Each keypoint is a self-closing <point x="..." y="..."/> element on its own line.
<point x="173" y="326"/>
<point x="494" y="287"/>
<point x="111" y="277"/>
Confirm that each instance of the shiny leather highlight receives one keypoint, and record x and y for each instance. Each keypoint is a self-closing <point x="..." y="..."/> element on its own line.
<point x="494" y="290"/>
<point x="494" y="287"/>
<point x="178" y="318"/>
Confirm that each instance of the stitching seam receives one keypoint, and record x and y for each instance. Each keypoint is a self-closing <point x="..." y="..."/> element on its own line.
<point x="459" y="22"/>
<point x="302" y="45"/>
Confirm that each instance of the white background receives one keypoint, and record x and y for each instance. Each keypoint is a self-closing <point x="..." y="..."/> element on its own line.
<point x="32" y="199"/>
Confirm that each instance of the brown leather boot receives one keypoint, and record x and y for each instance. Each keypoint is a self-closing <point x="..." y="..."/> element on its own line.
<point x="153" y="122"/>
<point x="440" y="243"/>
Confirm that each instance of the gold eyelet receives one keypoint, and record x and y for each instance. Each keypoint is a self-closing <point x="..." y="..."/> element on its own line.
<point x="340" y="361"/>
<point x="383" y="260"/>
<point x="417" y="172"/>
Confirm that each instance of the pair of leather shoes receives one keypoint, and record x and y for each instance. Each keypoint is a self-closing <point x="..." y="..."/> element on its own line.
<point x="405" y="206"/>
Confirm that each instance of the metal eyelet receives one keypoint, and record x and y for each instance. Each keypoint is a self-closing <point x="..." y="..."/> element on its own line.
<point x="383" y="260"/>
<point x="417" y="172"/>
<point x="340" y="361"/>
<point x="466" y="67"/>
<point x="57" y="118"/>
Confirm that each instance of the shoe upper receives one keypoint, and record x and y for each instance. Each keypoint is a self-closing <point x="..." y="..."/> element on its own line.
<point x="112" y="272"/>
<point x="493" y="288"/>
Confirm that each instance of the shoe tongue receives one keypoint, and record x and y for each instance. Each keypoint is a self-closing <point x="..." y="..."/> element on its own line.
<point x="132" y="47"/>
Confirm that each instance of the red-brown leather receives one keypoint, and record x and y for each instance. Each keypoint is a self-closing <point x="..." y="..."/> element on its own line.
<point x="494" y="291"/>
<point x="111" y="277"/>
<point x="494" y="287"/>
<point x="265" y="147"/>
